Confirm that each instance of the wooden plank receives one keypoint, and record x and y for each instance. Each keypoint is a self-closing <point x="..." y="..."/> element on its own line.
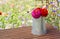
<point x="25" y="33"/>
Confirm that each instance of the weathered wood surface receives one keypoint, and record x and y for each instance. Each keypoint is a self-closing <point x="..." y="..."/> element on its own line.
<point x="25" y="33"/>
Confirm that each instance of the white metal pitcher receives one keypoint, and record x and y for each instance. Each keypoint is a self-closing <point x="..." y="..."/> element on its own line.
<point x="38" y="26"/>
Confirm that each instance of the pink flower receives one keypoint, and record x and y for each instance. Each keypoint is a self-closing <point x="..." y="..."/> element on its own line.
<point x="36" y="13"/>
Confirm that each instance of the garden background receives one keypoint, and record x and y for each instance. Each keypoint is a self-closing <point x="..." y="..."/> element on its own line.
<point x="17" y="13"/>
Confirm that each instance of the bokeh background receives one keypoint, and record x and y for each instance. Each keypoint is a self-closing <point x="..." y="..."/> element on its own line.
<point x="17" y="13"/>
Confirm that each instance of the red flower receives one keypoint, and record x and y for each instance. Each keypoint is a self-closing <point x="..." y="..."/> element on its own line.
<point x="36" y="13"/>
<point x="44" y="12"/>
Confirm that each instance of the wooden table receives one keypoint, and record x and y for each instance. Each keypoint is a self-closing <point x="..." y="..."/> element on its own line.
<point x="25" y="33"/>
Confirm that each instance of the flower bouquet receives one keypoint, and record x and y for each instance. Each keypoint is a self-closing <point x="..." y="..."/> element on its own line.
<point x="38" y="18"/>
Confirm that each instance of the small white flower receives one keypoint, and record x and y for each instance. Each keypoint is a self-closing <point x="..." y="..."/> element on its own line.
<point x="30" y="21"/>
<point x="9" y="26"/>
<point x="6" y="18"/>
<point x="20" y="26"/>
<point x="9" y="12"/>
<point x="14" y="25"/>
<point x="43" y="7"/>
<point x="23" y="22"/>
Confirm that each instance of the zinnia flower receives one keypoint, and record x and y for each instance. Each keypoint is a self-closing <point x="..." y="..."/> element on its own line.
<point x="44" y="12"/>
<point x="36" y="13"/>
